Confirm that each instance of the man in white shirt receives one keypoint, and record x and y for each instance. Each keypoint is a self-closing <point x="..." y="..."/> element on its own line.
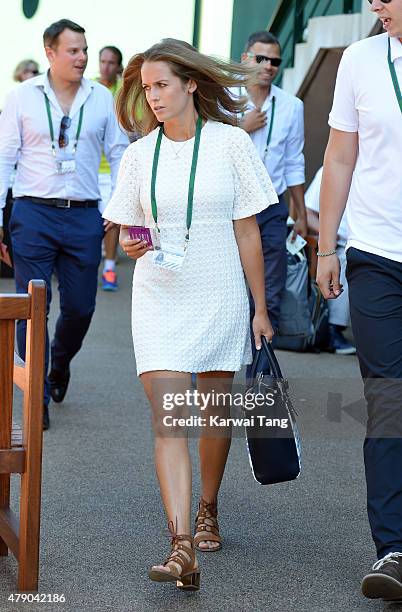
<point x="275" y="123"/>
<point x="363" y="167"/>
<point x="338" y="310"/>
<point x="56" y="126"/>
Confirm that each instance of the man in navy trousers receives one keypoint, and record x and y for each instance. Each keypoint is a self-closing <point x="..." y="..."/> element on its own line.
<point x="55" y="127"/>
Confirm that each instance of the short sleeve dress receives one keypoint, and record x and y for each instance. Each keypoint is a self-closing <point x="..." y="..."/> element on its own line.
<point x="195" y="319"/>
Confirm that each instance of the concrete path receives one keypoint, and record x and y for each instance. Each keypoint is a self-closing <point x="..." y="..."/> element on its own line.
<point x="296" y="547"/>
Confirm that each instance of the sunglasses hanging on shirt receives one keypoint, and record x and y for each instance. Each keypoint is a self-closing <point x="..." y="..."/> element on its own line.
<point x="67" y="164"/>
<point x="63" y="136"/>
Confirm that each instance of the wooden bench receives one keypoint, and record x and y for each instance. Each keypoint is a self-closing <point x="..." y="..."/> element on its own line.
<point x="21" y="448"/>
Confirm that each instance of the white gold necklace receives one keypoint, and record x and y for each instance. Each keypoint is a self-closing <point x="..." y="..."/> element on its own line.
<point x="179" y="150"/>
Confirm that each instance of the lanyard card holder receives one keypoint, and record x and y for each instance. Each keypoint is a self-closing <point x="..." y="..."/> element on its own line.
<point x="65" y="166"/>
<point x="170" y="257"/>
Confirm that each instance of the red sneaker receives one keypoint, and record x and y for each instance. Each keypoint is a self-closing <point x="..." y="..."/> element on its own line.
<point x="109" y="281"/>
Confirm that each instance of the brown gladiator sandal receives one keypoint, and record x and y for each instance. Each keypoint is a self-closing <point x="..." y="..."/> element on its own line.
<point x="184" y="556"/>
<point x="206" y="526"/>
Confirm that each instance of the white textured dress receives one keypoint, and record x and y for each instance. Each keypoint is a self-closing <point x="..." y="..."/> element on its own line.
<point x="195" y="319"/>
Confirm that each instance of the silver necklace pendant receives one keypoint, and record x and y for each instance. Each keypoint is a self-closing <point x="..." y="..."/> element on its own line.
<point x="177" y="151"/>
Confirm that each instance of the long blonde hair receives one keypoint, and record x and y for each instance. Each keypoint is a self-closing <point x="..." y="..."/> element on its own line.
<point x="212" y="98"/>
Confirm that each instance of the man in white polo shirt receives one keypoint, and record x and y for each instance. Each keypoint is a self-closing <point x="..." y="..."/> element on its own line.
<point x="366" y="142"/>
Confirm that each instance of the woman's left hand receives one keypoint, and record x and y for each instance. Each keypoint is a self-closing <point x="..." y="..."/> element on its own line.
<point x="262" y="327"/>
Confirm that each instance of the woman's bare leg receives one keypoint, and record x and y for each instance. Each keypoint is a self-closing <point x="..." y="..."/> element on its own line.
<point x="172" y="459"/>
<point x="213" y="451"/>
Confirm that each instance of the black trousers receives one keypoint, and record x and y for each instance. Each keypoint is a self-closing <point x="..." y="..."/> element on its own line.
<point x="375" y="295"/>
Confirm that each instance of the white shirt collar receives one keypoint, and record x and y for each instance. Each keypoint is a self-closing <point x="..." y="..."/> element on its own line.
<point x="266" y="102"/>
<point x="81" y="96"/>
<point x="268" y="99"/>
<point x="396" y="48"/>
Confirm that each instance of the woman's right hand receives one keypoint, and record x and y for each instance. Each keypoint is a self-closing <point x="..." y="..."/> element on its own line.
<point x="135" y="248"/>
<point x="132" y="248"/>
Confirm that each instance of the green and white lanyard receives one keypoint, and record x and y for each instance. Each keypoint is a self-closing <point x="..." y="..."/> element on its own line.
<point x="193" y="171"/>
<point x="271" y="125"/>
<point x="394" y="76"/>
<point x="51" y="130"/>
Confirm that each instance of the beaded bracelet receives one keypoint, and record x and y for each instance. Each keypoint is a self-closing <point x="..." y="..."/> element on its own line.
<point x="326" y="253"/>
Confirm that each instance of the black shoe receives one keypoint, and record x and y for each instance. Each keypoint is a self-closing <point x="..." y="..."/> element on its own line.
<point x="46" y="422"/>
<point x="59" y="380"/>
<point x="337" y="342"/>
<point x="385" y="579"/>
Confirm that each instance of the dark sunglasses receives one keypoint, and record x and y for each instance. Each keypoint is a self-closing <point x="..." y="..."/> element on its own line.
<point x="63" y="136"/>
<point x="275" y="61"/>
<point x="383" y="1"/>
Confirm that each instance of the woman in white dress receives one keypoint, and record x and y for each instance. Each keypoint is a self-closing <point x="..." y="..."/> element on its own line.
<point x="197" y="180"/>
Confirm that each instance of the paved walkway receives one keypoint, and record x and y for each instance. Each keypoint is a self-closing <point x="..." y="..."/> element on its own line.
<point x="295" y="547"/>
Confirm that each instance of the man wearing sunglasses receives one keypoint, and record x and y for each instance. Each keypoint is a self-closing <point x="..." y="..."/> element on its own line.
<point x="363" y="168"/>
<point x="275" y="123"/>
<point x="57" y="125"/>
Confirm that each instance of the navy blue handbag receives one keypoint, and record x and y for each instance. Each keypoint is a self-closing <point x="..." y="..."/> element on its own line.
<point x="273" y="440"/>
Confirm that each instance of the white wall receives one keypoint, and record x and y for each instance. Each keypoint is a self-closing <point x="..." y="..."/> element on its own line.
<point x="324" y="33"/>
<point x="131" y="25"/>
<point x="216" y="27"/>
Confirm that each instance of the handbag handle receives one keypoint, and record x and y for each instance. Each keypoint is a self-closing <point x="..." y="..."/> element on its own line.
<point x="272" y="360"/>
